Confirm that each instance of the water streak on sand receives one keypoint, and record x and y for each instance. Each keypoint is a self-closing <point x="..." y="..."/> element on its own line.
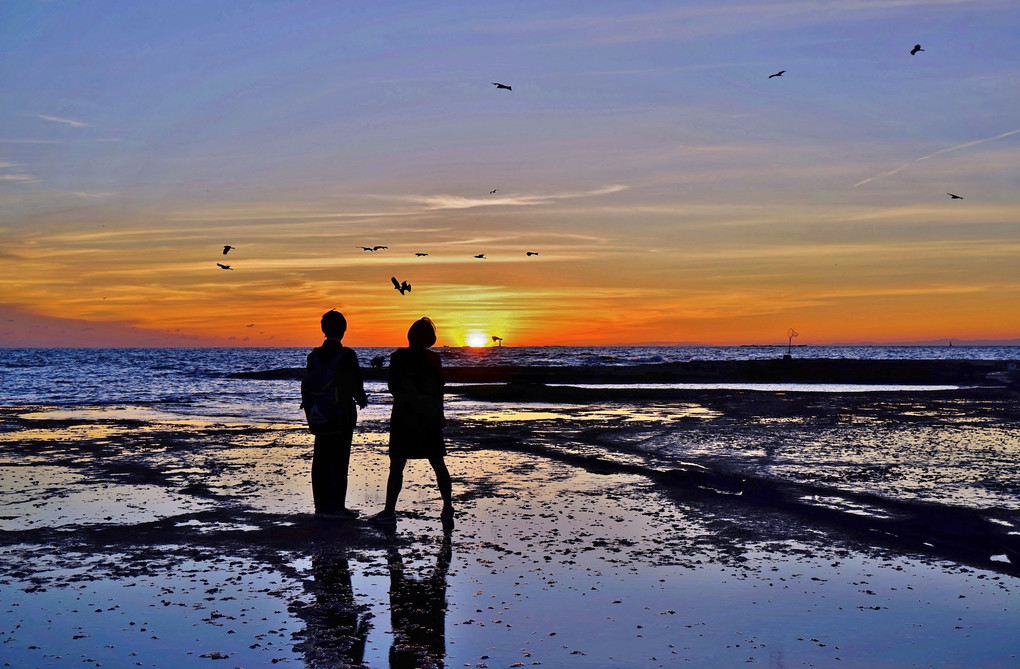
<point x="765" y="387"/>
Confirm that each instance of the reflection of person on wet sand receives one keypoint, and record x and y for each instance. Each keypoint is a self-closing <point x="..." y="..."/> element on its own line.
<point x="336" y="628"/>
<point x="418" y="612"/>
<point x="417" y="420"/>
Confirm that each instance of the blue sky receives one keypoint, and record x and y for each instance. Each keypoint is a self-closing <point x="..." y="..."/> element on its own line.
<point x="676" y="193"/>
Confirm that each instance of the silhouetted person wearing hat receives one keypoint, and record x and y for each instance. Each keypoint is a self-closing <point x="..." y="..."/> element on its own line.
<point x="332" y="454"/>
<point x="416" y="423"/>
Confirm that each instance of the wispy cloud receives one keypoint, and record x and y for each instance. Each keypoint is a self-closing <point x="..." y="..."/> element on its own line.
<point x="57" y="119"/>
<point x="295" y="215"/>
<point x="576" y="237"/>
<point x="440" y="202"/>
<point x="883" y="175"/>
<point x="713" y="19"/>
<point x="480" y="240"/>
<point x="958" y="147"/>
<point x="967" y="145"/>
<point x="87" y="195"/>
<point x="22" y="178"/>
<point x="16" y="177"/>
<point x="29" y="141"/>
<point x="274" y="215"/>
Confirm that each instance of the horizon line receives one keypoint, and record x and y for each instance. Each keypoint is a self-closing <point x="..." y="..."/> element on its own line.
<point x="949" y="343"/>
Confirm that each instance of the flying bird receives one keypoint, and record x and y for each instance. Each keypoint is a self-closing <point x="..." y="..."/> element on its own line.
<point x="226" y="249"/>
<point x="404" y="287"/>
<point x="777" y="74"/>
<point x="481" y="255"/>
<point x="493" y="191"/>
<point x="498" y="85"/>
<point x="532" y="253"/>
<point x="954" y="197"/>
<point x="917" y="47"/>
<point x="222" y="266"/>
<point x="379" y="248"/>
<point x="421" y="255"/>
<point x="365" y="248"/>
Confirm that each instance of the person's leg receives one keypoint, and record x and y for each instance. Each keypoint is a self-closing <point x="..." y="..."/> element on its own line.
<point x="322" y="478"/>
<point x="394" y="483"/>
<point x="444" y="481"/>
<point x="342" y="464"/>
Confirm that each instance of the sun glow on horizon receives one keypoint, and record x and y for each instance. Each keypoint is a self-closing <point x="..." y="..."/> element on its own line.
<point x="476" y="340"/>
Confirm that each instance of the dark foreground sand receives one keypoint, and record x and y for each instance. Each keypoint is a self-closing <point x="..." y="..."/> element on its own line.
<point x="131" y="538"/>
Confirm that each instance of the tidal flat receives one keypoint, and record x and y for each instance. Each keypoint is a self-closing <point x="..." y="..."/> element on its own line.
<point x="131" y="537"/>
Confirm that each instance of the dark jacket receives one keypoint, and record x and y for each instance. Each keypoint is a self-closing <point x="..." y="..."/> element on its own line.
<point x="416" y="381"/>
<point x="348" y="370"/>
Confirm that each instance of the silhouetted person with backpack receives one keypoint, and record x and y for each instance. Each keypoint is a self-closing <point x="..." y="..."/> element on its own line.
<point x="416" y="424"/>
<point x="329" y="391"/>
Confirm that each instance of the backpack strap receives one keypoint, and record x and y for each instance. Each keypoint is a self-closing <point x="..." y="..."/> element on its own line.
<point x="332" y="362"/>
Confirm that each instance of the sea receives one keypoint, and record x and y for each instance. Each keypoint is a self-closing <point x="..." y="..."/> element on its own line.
<point x="197" y="379"/>
<point x="965" y="460"/>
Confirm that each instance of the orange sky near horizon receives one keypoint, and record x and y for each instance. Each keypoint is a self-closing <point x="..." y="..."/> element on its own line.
<point x="581" y="289"/>
<point x="673" y="192"/>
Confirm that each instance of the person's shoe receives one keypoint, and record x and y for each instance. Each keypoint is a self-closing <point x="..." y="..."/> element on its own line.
<point x="385" y="518"/>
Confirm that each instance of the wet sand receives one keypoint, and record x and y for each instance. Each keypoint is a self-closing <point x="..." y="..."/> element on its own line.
<point x="131" y="538"/>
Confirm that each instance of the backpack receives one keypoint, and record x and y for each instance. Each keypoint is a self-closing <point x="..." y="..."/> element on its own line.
<point x="326" y="406"/>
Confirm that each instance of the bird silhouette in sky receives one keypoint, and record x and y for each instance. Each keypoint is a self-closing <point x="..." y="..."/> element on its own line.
<point x="481" y="255"/>
<point x="227" y="248"/>
<point x="403" y="287"/>
<point x="493" y="191"/>
<point x="222" y="266"/>
<point x="777" y="74"/>
<point x="917" y="47"/>
<point x="379" y="248"/>
<point x="421" y="255"/>
<point x="499" y="85"/>
<point x="954" y="197"/>
<point x="532" y="253"/>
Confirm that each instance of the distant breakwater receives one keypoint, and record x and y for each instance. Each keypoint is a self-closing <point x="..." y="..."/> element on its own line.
<point x="818" y="370"/>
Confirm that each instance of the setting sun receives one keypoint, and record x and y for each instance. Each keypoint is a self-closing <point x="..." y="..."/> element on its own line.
<point x="476" y="340"/>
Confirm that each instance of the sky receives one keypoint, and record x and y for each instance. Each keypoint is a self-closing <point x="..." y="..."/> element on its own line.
<point x="670" y="189"/>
